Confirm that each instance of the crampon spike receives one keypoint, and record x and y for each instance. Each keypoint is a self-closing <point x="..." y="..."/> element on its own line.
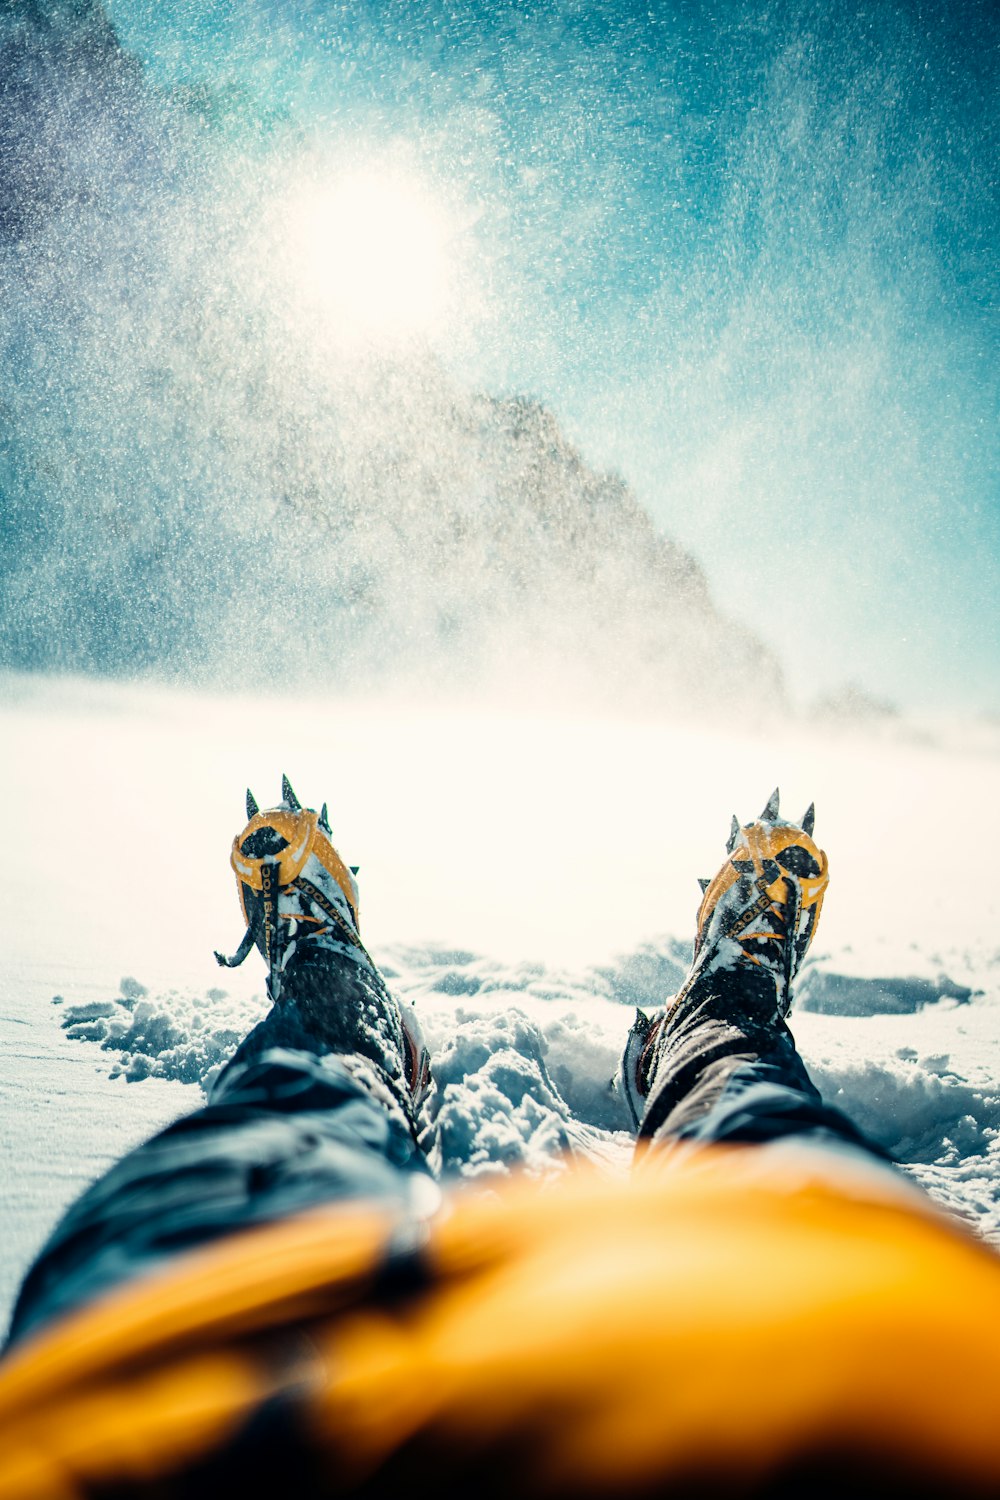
<point x="704" y="882"/>
<point x="289" y="796"/>
<point x="252" y="808"/>
<point x="355" y="869"/>
<point x="809" y="819"/>
<point x="734" y="834"/>
<point x="770" y="808"/>
<point x="324" y="819"/>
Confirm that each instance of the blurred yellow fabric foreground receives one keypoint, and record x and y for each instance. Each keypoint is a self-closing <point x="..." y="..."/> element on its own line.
<point x="728" y="1318"/>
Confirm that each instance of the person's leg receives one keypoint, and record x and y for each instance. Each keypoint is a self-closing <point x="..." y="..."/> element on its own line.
<point x="720" y="1064"/>
<point x="316" y="1105"/>
<point x="728" y="1070"/>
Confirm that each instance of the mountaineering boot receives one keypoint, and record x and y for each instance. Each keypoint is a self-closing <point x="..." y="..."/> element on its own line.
<point x="758" y="916"/>
<point x="300" y="904"/>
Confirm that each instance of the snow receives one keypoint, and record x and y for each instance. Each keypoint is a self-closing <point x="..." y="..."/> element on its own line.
<point x="526" y="881"/>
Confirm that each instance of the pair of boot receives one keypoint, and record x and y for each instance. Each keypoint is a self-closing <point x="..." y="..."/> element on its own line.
<point x="300" y="903"/>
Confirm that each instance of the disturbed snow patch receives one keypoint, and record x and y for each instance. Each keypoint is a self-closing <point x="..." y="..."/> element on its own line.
<point x="824" y="989"/>
<point x="517" y="1085"/>
<point x="886" y="979"/>
<point x="919" y="1109"/>
<point x="944" y="1130"/>
<point x="524" y="1055"/>
<point x="180" y="1035"/>
<point x="496" y="1105"/>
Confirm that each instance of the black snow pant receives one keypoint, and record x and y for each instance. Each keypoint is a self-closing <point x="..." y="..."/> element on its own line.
<point x="289" y="1126"/>
<point x="729" y="1071"/>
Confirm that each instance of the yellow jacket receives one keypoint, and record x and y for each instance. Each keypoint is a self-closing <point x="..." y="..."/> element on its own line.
<point x="732" y="1320"/>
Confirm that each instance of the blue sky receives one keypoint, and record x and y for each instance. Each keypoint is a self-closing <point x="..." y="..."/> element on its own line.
<point x="747" y="253"/>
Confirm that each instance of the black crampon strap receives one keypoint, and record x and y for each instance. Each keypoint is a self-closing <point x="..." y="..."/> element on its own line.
<point x="265" y="918"/>
<point x="249" y="939"/>
<point x="272" y="927"/>
<point x="791" y="937"/>
<point x="316" y="896"/>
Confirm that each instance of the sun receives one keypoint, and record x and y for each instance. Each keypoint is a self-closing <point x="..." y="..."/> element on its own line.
<point x="373" y="250"/>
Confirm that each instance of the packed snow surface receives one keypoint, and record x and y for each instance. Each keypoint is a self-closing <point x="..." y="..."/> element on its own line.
<point x="527" y="880"/>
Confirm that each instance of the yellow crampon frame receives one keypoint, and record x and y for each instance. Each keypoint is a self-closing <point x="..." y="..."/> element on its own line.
<point x="760" y="846"/>
<point x="302" y="831"/>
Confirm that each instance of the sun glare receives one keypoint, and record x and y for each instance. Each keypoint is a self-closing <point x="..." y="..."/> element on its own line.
<point x="374" y="252"/>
